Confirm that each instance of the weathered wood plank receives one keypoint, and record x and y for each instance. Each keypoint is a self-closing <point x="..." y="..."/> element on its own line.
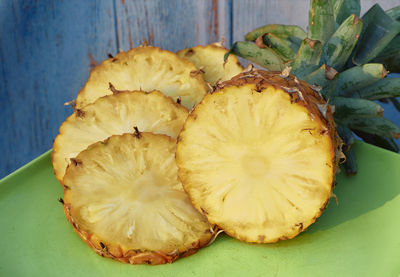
<point x="385" y="4"/>
<point x="172" y="25"/>
<point x="46" y="48"/>
<point x="248" y="15"/>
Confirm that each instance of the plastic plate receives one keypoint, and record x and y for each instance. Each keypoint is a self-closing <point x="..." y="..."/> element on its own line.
<point x="359" y="236"/>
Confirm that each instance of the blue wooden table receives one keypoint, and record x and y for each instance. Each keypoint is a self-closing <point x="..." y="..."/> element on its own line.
<point x="47" y="48"/>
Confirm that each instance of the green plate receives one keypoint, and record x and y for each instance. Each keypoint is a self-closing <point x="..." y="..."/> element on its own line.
<point x="359" y="236"/>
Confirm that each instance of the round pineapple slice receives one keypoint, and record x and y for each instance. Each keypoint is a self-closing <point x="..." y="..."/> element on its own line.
<point x="113" y="115"/>
<point x="210" y="61"/>
<point x="145" y="68"/>
<point x="257" y="157"/>
<point x="124" y="199"/>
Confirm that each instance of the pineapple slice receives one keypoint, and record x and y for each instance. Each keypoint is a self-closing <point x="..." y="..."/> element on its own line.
<point x="124" y="199"/>
<point x="145" y="68"/>
<point x="257" y="157"/>
<point x="113" y="115"/>
<point x="210" y="60"/>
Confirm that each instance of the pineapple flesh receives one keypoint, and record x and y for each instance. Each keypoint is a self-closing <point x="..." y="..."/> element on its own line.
<point x="258" y="156"/>
<point x="124" y="199"/>
<point x="145" y="68"/>
<point x="209" y="60"/>
<point x="115" y="114"/>
<point x="342" y="53"/>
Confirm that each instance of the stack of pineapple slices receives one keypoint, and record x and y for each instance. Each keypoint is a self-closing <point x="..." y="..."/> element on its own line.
<point x="115" y="115"/>
<point x="146" y="181"/>
<point x="115" y="155"/>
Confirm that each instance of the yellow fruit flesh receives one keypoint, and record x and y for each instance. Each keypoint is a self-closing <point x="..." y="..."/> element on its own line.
<point x="210" y="59"/>
<point x="145" y="68"/>
<point x="257" y="165"/>
<point x="114" y="115"/>
<point x="126" y="192"/>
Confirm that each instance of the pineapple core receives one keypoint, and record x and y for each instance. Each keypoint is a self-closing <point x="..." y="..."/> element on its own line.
<point x="116" y="114"/>
<point x="125" y="192"/>
<point x="255" y="163"/>
<point x="145" y="68"/>
<point x="209" y="60"/>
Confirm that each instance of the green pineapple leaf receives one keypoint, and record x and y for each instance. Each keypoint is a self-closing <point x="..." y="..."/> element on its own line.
<point x="340" y="45"/>
<point x="321" y="23"/>
<point x="342" y="9"/>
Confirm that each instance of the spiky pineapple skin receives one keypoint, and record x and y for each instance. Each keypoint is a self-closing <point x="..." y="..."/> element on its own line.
<point x="347" y="44"/>
<point x="120" y="99"/>
<point x="124" y="63"/>
<point x="209" y="60"/>
<point x="311" y="101"/>
<point x="308" y="97"/>
<point x="290" y="84"/>
<point x="115" y="251"/>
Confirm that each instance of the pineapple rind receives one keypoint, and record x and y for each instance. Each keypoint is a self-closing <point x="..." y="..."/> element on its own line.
<point x="113" y="115"/>
<point x="210" y="59"/>
<point x="145" y="68"/>
<point x="123" y="197"/>
<point x="252" y="140"/>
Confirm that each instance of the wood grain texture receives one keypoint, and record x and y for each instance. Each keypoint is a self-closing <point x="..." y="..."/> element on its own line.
<point x="172" y="25"/>
<point x="248" y="15"/>
<point x="46" y="48"/>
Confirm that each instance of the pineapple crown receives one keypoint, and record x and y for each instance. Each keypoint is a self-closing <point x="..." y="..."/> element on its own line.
<point x="346" y="56"/>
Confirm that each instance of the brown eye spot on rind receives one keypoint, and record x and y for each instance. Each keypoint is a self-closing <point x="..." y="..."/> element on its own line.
<point x="137" y="132"/>
<point x="79" y="113"/>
